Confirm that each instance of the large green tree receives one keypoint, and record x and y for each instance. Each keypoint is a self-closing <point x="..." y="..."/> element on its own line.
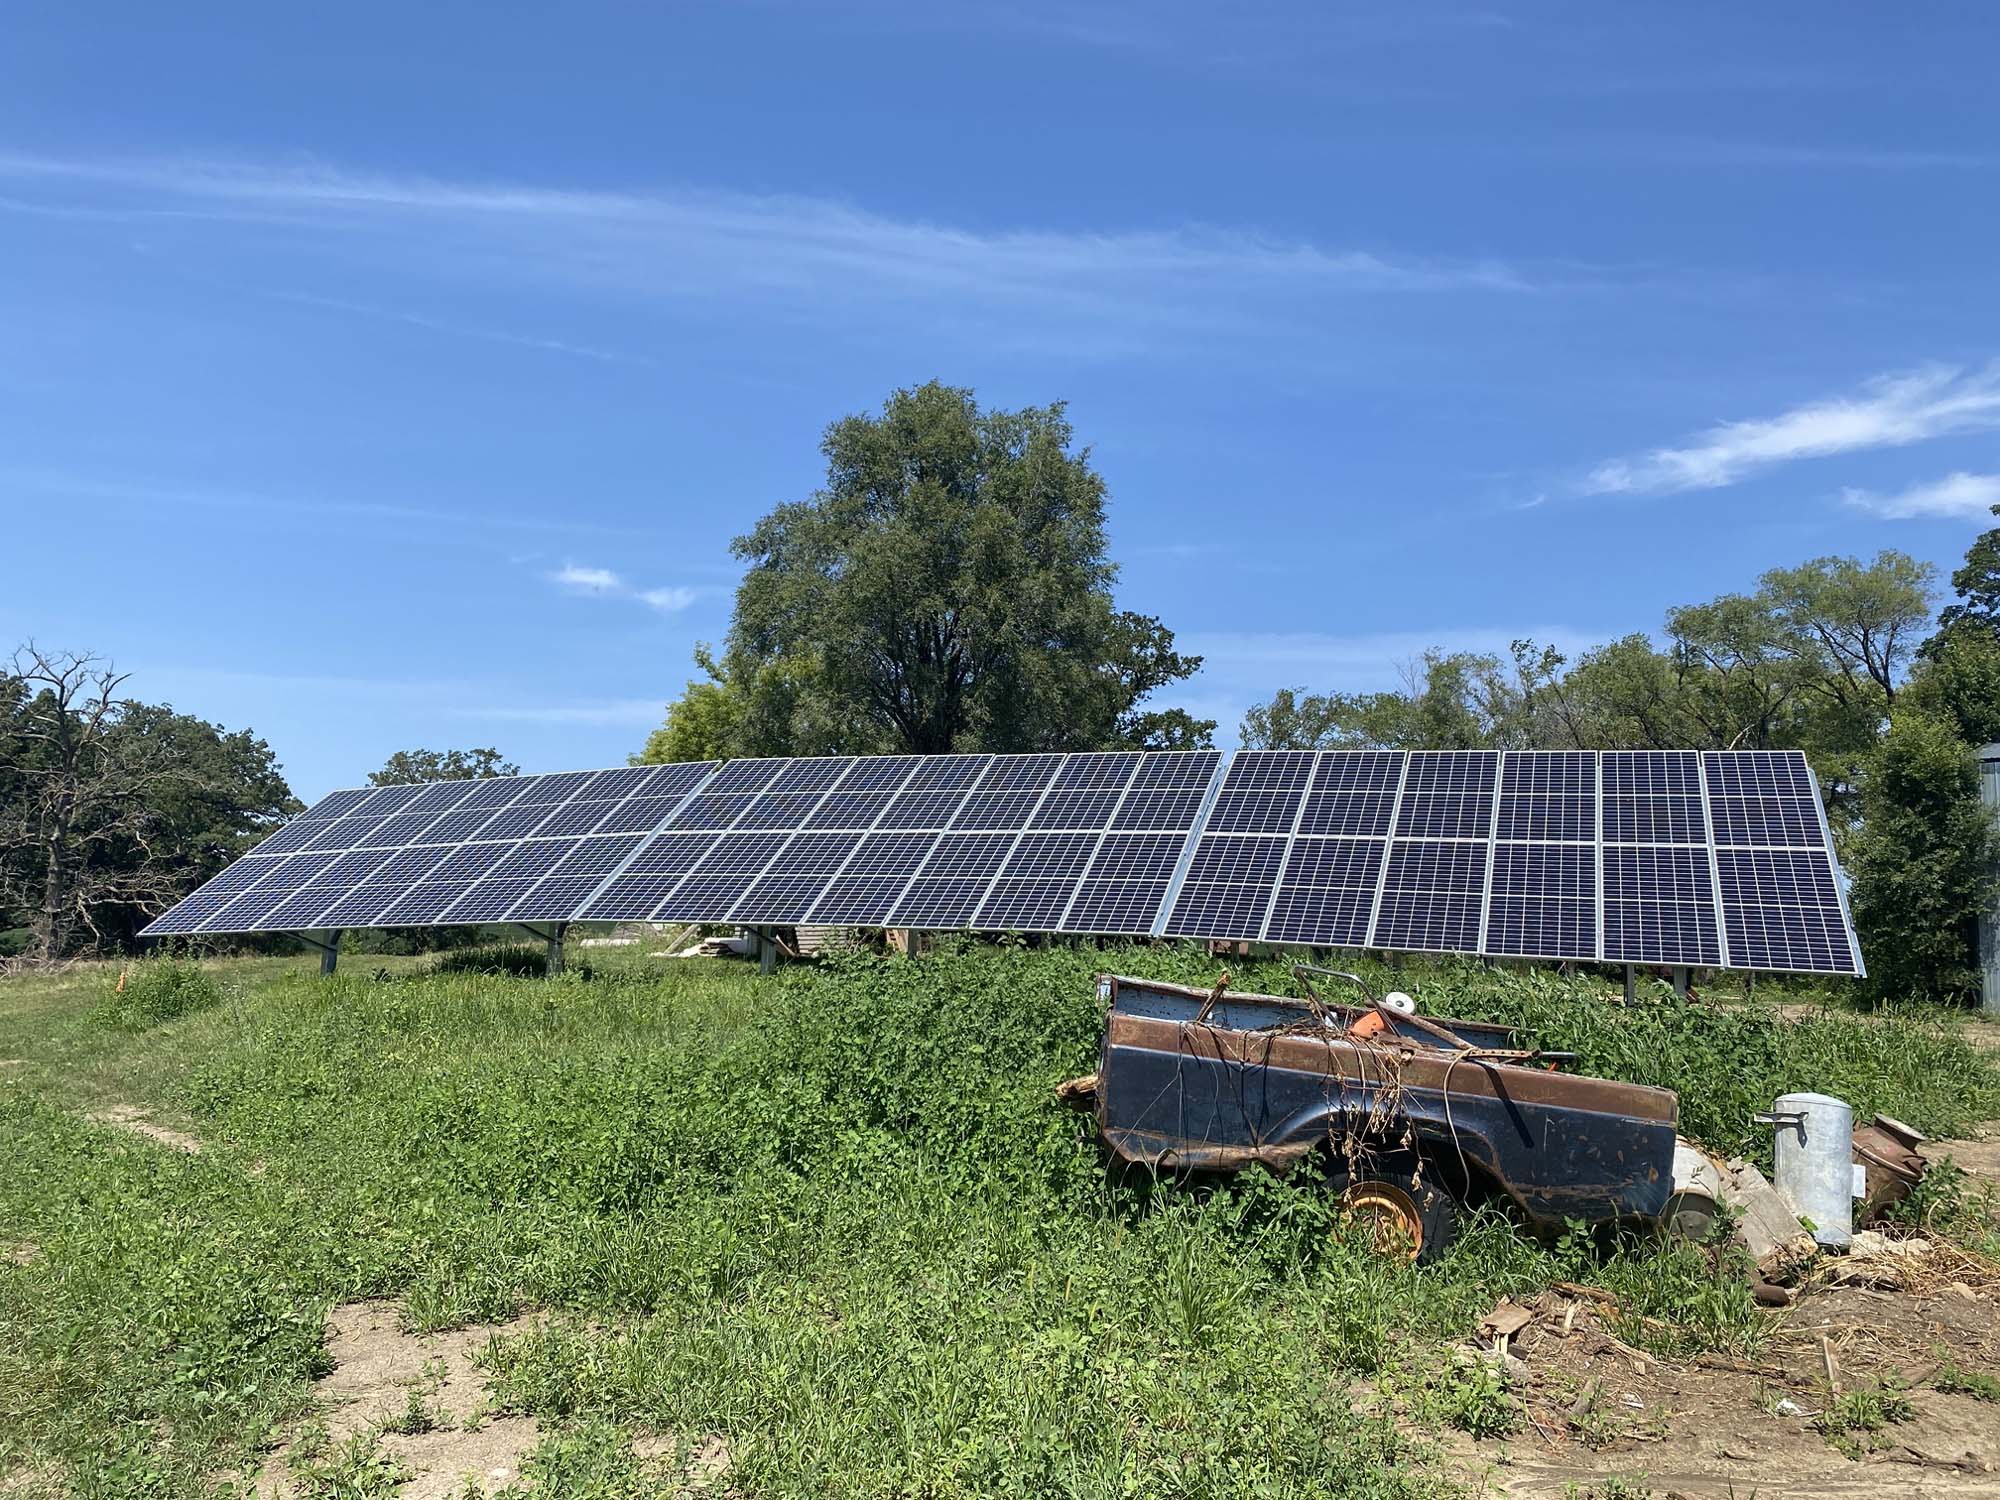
<point x="110" y="809"/>
<point x="948" y="588"/>
<point x="408" y="767"/>
<point x="1923" y="863"/>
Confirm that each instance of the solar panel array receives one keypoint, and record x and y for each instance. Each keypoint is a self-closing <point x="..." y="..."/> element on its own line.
<point x="1710" y="859"/>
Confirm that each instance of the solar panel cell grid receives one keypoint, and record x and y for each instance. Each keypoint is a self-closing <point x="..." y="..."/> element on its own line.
<point x="874" y="773"/>
<point x="1112" y="769"/>
<point x="673" y="853"/>
<point x="745" y="852"/>
<point x="939" y="905"/>
<point x="390" y="799"/>
<point x="704" y="898"/>
<point x="1238" y="860"/>
<point x="740" y="776"/>
<point x="333" y="804"/>
<point x="1020" y="772"/>
<point x="490" y="900"/>
<point x="943" y="773"/>
<point x="1178" y="769"/>
<point x="456" y="826"/>
<point x="865" y="901"/>
<point x="1209" y="909"/>
<point x="1159" y="807"/>
<point x="1126" y="907"/>
<point x="555" y="898"/>
<point x="1051" y="856"/>
<point x="996" y="809"/>
<point x="1351" y="863"/>
<point x="779" y="810"/>
<point x="779" y="898"/>
<point x="967" y="855"/>
<point x="535" y="858"/>
<point x="496" y="792"/>
<point x="817" y="774"/>
<point x="1025" y="905"/>
<point x="1076" y="808"/>
<point x="852" y="810"/>
<point x="1321" y="918"/>
<point x="1136" y="856"/>
<point x="629" y="898"/>
<point x="710" y="810"/>
<point x="898" y="854"/>
<point x="441" y="797"/>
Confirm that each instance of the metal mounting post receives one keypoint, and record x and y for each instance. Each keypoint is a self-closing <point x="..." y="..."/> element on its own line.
<point x="329" y="950"/>
<point x="767" y="951"/>
<point x="1681" y="980"/>
<point x="1631" y="985"/>
<point x="553" y="936"/>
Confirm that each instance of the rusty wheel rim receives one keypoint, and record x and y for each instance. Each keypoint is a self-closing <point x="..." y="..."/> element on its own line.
<point x="1388" y="1216"/>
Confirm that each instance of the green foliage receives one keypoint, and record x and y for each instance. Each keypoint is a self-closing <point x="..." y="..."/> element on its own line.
<point x="408" y="767"/>
<point x="111" y="809"/>
<point x="1852" y="1419"/>
<point x="1953" y="1379"/>
<point x="356" y="1470"/>
<point x="523" y="960"/>
<point x="1958" y="681"/>
<point x="836" y="1218"/>
<point x="156" y="990"/>
<point x="948" y="589"/>
<point x="1922" y="863"/>
<point x="1469" y="1394"/>
<point x="1810" y="661"/>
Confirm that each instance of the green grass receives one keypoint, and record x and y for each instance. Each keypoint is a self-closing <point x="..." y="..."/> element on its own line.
<point x="836" y="1217"/>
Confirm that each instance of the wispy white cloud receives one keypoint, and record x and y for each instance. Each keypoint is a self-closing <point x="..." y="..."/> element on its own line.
<point x="461" y="330"/>
<point x="669" y="600"/>
<point x="588" y="580"/>
<point x="1891" y="411"/>
<point x="1957" y="494"/>
<point x="687" y="242"/>
<point x="606" y="584"/>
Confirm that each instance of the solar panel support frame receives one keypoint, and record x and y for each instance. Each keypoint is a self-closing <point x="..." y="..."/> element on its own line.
<point x="1388" y="848"/>
<point x="1715" y="862"/>
<point x="1492" y="847"/>
<point x="1839" y="875"/>
<point x="1597" y="765"/>
<point x="1196" y="830"/>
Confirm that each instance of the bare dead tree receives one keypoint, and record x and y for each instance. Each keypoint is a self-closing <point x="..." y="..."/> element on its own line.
<point x="74" y="792"/>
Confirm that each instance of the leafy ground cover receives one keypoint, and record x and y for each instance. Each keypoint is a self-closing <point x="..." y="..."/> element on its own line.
<point x="835" y="1218"/>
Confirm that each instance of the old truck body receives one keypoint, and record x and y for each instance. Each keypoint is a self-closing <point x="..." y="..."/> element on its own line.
<point x="1195" y="1080"/>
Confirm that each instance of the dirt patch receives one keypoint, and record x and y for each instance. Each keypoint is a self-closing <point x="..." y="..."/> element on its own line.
<point x="21" y="1253"/>
<point x="1718" y="1426"/>
<point x="131" y="1117"/>
<point x="382" y="1375"/>
<point x="426" y="1402"/>
<point x="1977" y="1156"/>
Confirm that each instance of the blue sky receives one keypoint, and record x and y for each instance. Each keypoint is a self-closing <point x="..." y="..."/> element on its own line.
<point x="378" y="376"/>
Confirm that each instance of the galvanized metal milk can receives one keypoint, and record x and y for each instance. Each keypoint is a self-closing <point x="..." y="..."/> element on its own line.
<point x="1814" y="1161"/>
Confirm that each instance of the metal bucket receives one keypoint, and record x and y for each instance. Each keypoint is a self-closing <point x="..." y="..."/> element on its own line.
<point x="1814" y="1159"/>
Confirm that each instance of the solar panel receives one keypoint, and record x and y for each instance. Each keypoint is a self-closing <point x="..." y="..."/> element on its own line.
<point x="1709" y="859"/>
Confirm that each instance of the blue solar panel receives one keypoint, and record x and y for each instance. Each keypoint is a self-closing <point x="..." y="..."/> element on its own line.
<point x="1668" y="857"/>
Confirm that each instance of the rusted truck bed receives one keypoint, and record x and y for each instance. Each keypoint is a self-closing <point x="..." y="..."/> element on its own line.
<point x="1265" y="1079"/>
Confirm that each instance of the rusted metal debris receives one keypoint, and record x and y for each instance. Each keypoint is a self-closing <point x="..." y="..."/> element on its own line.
<point x="1204" y="1080"/>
